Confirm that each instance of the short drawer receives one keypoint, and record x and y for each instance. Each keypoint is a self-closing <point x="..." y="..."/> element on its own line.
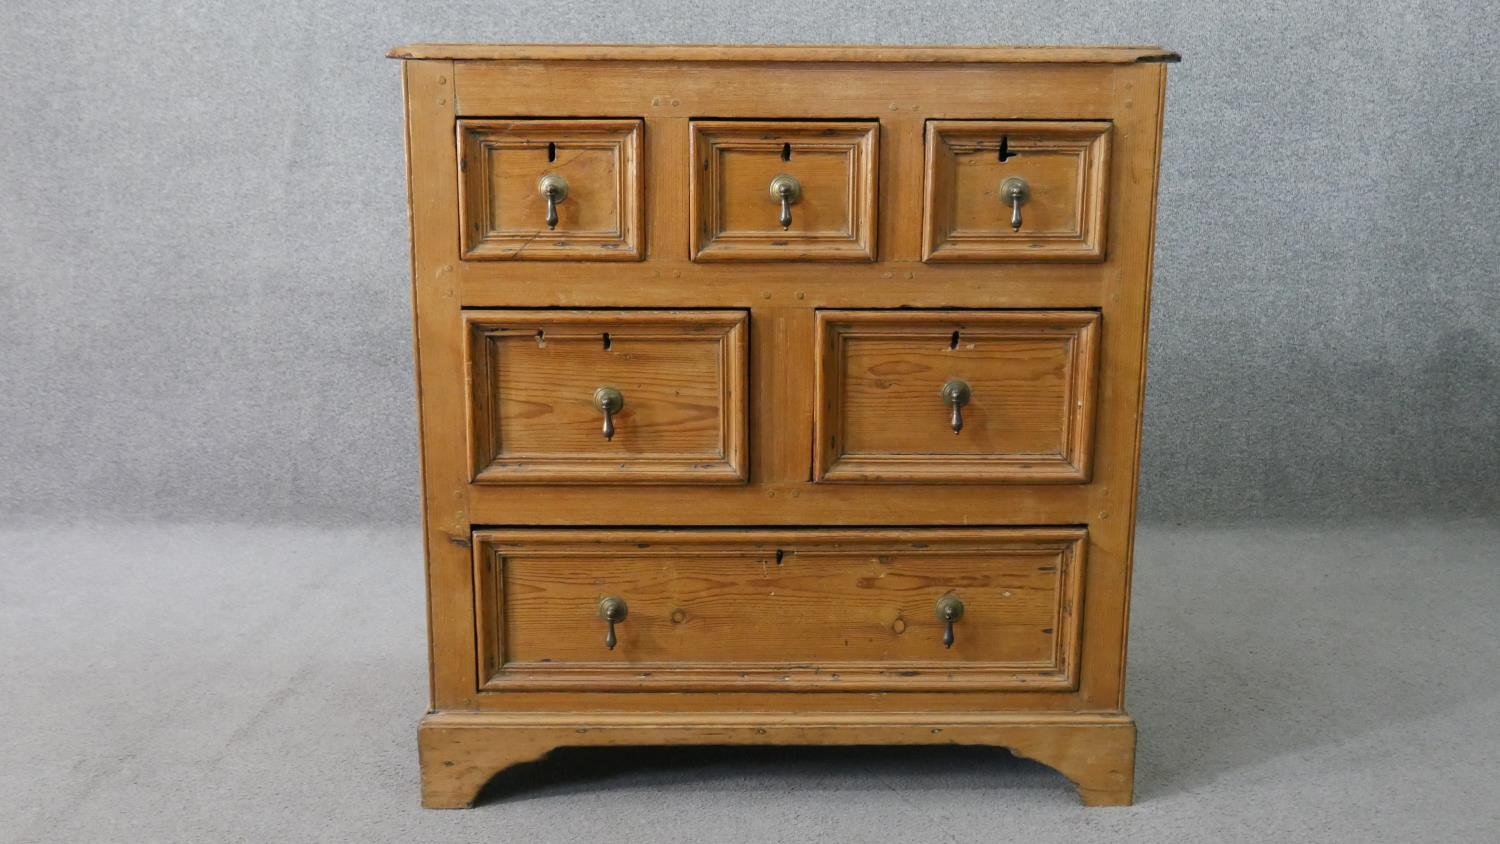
<point x="790" y="609"/>
<point x="1016" y="190"/>
<point x="783" y="190"/>
<point x="607" y="396"/>
<point x="955" y="396"/>
<point x="551" y="189"/>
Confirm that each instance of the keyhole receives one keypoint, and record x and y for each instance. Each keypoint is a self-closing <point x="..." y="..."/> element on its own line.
<point x="552" y="153"/>
<point x="1005" y="151"/>
<point x="779" y="555"/>
<point x="607" y="341"/>
<point x="786" y="152"/>
<point x="953" y="342"/>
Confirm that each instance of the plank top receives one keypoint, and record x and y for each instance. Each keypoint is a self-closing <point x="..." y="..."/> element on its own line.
<point x="767" y="53"/>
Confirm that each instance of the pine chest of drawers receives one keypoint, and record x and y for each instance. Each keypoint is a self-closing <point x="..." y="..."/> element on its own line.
<point x="780" y="395"/>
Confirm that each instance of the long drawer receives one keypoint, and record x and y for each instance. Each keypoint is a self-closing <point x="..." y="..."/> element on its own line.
<point x="785" y="609"/>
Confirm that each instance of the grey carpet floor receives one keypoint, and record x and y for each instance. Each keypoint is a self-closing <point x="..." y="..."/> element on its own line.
<point x="203" y="683"/>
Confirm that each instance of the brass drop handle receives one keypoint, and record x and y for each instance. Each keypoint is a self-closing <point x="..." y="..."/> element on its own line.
<point x="786" y="190"/>
<point x="956" y="394"/>
<point x="608" y="400"/>
<point x="613" y="611"/>
<point x="1015" y="191"/>
<point x="555" y="189"/>
<point x="949" y="609"/>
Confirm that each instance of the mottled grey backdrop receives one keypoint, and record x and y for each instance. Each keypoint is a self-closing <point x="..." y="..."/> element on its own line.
<point x="203" y="267"/>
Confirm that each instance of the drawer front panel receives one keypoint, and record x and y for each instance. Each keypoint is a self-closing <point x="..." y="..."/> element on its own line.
<point x="1015" y="190"/>
<point x="590" y="168"/>
<point x="674" y="383"/>
<point x="812" y="609"/>
<point x="888" y="383"/>
<point x="827" y="170"/>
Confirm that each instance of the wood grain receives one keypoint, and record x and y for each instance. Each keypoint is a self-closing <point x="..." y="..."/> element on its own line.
<point x="504" y="214"/>
<point x="881" y="418"/>
<point x="787" y="91"/>
<point x="1065" y="166"/>
<point x="769" y="53"/>
<point x="735" y="218"/>
<point x="461" y="752"/>
<point x="893" y="282"/>
<point x="433" y="206"/>
<point x="1144" y="171"/>
<point x="786" y="610"/>
<point x="533" y="374"/>
<point x="744" y="665"/>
